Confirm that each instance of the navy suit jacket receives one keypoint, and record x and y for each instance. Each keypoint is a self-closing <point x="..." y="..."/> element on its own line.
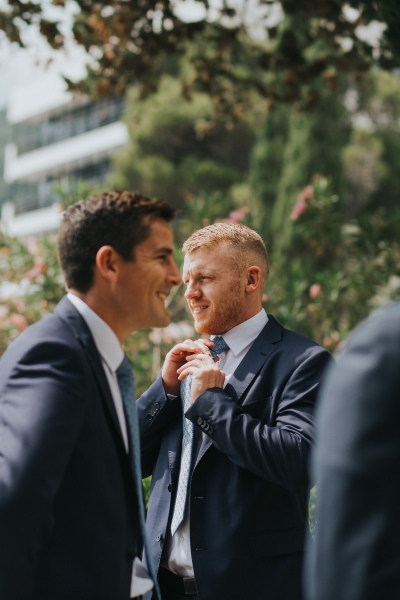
<point x="356" y="555"/>
<point x="249" y="487"/>
<point x="67" y="499"/>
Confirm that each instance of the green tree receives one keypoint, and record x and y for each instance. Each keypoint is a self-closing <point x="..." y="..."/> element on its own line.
<point x="285" y="50"/>
<point x="293" y="147"/>
<point x="371" y="160"/>
<point x="177" y="150"/>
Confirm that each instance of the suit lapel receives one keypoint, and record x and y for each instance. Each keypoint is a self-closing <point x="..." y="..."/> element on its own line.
<point x="77" y="323"/>
<point x="264" y="345"/>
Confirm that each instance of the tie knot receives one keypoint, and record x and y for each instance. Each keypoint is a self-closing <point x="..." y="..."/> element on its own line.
<point x="220" y="346"/>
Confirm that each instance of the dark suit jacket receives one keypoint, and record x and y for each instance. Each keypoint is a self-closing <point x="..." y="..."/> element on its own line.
<point x="67" y="500"/>
<point x="357" y="460"/>
<point x="249" y="487"/>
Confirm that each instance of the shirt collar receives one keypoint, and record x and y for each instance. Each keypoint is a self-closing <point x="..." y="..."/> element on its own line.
<point x="105" y="339"/>
<point x="245" y="333"/>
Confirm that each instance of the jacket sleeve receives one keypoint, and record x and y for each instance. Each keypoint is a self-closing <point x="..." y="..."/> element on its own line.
<point x="270" y="434"/>
<point x="157" y="411"/>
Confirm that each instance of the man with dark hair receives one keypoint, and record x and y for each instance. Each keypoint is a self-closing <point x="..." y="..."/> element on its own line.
<point x="71" y="502"/>
<point x="227" y="439"/>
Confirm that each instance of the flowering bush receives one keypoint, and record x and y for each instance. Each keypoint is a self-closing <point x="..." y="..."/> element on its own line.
<point x="31" y="284"/>
<point x="333" y="272"/>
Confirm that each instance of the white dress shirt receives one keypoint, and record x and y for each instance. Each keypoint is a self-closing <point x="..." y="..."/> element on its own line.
<point x="111" y="355"/>
<point x="177" y="557"/>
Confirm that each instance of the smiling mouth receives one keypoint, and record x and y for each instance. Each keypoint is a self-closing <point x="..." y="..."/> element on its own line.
<point x="163" y="295"/>
<point x="198" y="309"/>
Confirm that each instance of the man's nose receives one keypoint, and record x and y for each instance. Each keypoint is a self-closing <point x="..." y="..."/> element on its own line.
<point x="191" y="290"/>
<point x="175" y="275"/>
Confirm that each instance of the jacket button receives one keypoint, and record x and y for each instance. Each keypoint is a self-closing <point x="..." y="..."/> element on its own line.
<point x="200" y="421"/>
<point x="159" y="537"/>
<point x="211" y="429"/>
<point x="169" y="487"/>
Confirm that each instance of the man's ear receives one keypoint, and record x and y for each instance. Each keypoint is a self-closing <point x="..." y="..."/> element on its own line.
<point x="253" y="278"/>
<point x="107" y="262"/>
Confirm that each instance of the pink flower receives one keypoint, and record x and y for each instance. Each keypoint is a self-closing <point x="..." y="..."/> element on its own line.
<point x="315" y="291"/>
<point x="38" y="269"/>
<point x="236" y="216"/>
<point x="307" y="193"/>
<point x="33" y="246"/>
<point x="298" y="209"/>
<point x="18" y="321"/>
<point x="18" y="304"/>
<point x="301" y="205"/>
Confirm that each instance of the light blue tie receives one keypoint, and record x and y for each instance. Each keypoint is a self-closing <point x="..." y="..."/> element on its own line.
<point x="187" y="442"/>
<point x="126" y="383"/>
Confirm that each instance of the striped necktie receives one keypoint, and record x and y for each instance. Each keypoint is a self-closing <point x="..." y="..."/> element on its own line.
<point x="126" y="384"/>
<point x="187" y="442"/>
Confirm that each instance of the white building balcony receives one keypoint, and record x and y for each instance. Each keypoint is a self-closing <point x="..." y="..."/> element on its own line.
<point x="36" y="222"/>
<point x="64" y="156"/>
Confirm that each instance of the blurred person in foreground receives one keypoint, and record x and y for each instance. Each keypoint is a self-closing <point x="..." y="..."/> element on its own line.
<point x="356" y="555"/>
<point x="70" y="497"/>
<point x="228" y="511"/>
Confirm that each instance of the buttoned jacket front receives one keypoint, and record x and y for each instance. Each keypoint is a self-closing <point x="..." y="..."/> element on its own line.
<point x="249" y="487"/>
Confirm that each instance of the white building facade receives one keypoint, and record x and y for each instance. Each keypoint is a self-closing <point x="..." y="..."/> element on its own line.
<point x="56" y="139"/>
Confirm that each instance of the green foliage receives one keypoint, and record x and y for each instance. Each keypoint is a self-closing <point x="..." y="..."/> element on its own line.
<point x="313" y="145"/>
<point x="175" y="151"/>
<point x="32" y="284"/>
<point x="378" y="140"/>
<point x="233" y="51"/>
<point x="333" y="273"/>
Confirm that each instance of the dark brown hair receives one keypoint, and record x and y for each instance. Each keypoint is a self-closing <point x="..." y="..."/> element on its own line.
<point x="118" y="219"/>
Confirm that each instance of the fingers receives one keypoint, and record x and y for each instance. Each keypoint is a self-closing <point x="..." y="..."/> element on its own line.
<point x="195" y="362"/>
<point x="205" y="374"/>
<point x="188" y="347"/>
<point x="178" y="357"/>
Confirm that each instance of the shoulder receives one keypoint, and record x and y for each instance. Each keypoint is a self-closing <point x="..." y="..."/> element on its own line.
<point x="380" y="331"/>
<point x="291" y="341"/>
<point x="367" y="373"/>
<point x="50" y="341"/>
